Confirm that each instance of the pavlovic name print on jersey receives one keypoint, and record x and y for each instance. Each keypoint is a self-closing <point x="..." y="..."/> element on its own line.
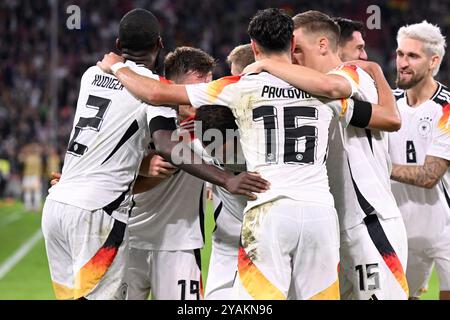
<point x="276" y="93"/>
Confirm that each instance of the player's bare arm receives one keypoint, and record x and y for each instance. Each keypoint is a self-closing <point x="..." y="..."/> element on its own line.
<point x="243" y="184"/>
<point x="312" y="81"/>
<point x="149" y="90"/>
<point x="425" y="176"/>
<point x="385" y="115"/>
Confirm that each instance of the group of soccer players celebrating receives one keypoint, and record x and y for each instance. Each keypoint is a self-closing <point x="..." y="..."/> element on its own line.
<point x="303" y="199"/>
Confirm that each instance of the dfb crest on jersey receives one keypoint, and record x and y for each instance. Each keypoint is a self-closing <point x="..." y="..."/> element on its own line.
<point x="424" y="127"/>
<point x="123" y="291"/>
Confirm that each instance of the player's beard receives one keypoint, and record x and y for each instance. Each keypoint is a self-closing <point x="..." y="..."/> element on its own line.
<point x="408" y="84"/>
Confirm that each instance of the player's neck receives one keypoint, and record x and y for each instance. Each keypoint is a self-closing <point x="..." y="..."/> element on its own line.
<point x="146" y="60"/>
<point x="330" y="62"/>
<point x="421" y="92"/>
<point x="276" y="57"/>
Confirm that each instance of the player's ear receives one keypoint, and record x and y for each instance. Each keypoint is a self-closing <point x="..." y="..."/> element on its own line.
<point x="292" y="44"/>
<point x="209" y="77"/>
<point x="323" y="45"/>
<point x="254" y="47"/>
<point x="434" y="61"/>
<point x="158" y="46"/>
<point x="118" y="45"/>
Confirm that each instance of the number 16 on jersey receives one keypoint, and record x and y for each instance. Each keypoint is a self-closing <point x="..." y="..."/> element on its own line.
<point x="293" y="134"/>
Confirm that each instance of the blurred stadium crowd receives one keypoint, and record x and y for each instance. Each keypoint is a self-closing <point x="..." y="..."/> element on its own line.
<point x="214" y="26"/>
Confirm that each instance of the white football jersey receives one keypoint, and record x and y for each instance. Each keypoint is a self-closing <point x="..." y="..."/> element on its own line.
<point x="170" y="216"/>
<point x="359" y="165"/>
<point x="283" y="132"/>
<point x="228" y="215"/>
<point x="108" y="141"/>
<point x="425" y="131"/>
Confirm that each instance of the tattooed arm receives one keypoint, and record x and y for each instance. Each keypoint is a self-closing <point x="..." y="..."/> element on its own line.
<point x="425" y="176"/>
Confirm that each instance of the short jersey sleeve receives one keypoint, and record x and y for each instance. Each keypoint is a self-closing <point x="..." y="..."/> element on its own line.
<point x="440" y="145"/>
<point x="219" y="92"/>
<point x="350" y="73"/>
<point x="363" y="86"/>
<point x="364" y="92"/>
<point x="343" y="108"/>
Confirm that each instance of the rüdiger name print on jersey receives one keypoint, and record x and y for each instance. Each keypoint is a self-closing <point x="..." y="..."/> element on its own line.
<point x="108" y="141"/>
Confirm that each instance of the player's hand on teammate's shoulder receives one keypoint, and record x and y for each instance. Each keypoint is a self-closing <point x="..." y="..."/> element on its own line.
<point x="246" y="183"/>
<point x="370" y="67"/>
<point x="108" y="61"/>
<point x="255" y="67"/>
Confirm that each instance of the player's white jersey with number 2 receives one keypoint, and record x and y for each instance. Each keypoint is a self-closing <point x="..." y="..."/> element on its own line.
<point x="107" y="143"/>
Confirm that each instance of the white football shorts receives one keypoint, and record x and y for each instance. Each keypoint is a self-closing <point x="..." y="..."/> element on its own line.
<point x="289" y="250"/>
<point x="168" y="275"/>
<point x="87" y="251"/>
<point x="373" y="260"/>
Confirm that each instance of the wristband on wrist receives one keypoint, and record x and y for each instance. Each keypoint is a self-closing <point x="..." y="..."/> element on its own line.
<point x="117" y="66"/>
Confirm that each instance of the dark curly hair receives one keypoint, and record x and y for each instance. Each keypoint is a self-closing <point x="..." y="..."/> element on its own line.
<point x="272" y="29"/>
<point x="215" y="117"/>
<point x="139" y="30"/>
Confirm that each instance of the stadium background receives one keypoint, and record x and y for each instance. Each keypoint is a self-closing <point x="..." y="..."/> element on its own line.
<point x="38" y="91"/>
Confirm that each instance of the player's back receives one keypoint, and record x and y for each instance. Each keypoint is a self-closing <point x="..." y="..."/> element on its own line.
<point x="358" y="163"/>
<point x="283" y="132"/>
<point x="288" y="138"/>
<point x="107" y="143"/>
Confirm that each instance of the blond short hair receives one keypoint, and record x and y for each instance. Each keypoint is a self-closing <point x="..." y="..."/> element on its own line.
<point x="430" y="35"/>
<point x="241" y="56"/>
<point x="319" y="23"/>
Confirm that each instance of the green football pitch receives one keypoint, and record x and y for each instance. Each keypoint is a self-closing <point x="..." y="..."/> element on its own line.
<point x="24" y="272"/>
